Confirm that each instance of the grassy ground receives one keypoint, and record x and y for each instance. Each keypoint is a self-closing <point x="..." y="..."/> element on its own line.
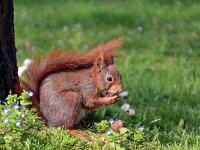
<point x="160" y="64"/>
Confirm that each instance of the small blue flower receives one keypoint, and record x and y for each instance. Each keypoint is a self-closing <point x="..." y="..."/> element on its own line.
<point x="111" y="121"/>
<point x="2" y="100"/>
<point x="5" y="110"/>
<point x="16" y="106"/>
<point x="6" y="120"/>
<point x="30" y="93"/>
<point x="22" y="115"/>
<point x="18" y="123"/>
<point x="141" y="128"/>
<point x="109" y="132"/>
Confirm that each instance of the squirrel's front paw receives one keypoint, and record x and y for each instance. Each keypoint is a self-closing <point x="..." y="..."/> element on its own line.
<point x="109" y="100"/>
<point x="115" y="99"/>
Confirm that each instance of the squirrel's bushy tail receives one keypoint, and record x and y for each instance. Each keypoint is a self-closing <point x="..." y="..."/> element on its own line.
<point x="60" y="61"/>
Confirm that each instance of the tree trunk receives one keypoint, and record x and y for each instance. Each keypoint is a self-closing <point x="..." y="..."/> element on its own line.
<point x="8" y="63"/>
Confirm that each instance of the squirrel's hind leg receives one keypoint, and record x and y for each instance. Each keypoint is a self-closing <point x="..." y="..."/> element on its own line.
<point x="60" y="109"/>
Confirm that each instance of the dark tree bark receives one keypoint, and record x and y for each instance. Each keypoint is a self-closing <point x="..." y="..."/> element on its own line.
<point x="8" y="62"/>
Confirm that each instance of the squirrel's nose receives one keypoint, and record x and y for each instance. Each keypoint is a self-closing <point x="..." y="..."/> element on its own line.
<point x="119" y="91"/>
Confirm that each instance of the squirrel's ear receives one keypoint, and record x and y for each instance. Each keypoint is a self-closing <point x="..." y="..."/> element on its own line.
<point x="100" y="64"/>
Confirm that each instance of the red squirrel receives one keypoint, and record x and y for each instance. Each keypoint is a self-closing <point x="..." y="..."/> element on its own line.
<point x="66" y="84"/>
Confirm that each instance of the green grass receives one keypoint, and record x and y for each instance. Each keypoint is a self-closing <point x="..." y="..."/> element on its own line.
<point x="160" y="64"/>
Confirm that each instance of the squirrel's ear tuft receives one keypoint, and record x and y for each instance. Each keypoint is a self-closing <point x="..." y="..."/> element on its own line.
<point x="100" y="62"/>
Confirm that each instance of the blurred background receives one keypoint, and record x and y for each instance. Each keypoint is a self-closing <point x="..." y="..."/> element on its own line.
<point x="160" y="60"/>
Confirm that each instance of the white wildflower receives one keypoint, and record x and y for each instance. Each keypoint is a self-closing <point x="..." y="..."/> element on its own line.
<point x="125" y="107"/>
<point x="123" y="94"/>
<point x="27" y="62"/>
<point x="22" y="69"/>
<point x="131" y="112"/>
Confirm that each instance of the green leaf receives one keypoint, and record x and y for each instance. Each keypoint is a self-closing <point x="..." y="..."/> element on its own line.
<point x="11" y="98"/>
<point x="123" y="130"/>
<point x="24" y="95"/>
<point x="25" y="102"/>
<point x="181" y="123"/>
<point x="8" y="139"/>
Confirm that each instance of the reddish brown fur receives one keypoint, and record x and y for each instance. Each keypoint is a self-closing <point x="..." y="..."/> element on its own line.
<point x="65" y="83"/>
<point x="59" y="60"/>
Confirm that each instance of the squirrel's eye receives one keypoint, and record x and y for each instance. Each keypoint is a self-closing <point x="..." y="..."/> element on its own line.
<point x="109" y="78"/>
